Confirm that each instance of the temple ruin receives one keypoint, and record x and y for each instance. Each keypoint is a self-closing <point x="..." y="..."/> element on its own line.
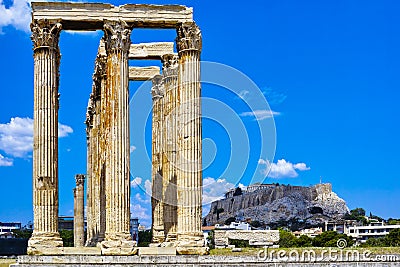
<point x="176" y="127"/>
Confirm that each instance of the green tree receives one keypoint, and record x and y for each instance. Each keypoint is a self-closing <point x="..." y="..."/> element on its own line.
<point x="145" y="238"/>
<point x="330" y="238"/>
<point x="304" y="241"/>
<point x="67" y="237"/>
<point x="211" y="240"/>
<point x="26" y="234"/>
<point x="287" y="239"/>
<point x="230" y="220"/>
<point x="256" y="224"/>
<point x="357" y="212"/>
<point x="375" y="242"/>
<point x="393" y="238"/>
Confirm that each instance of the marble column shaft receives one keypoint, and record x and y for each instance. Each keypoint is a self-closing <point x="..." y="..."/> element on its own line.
<point x="45" y="38"/>
<point x="116" y="129"/>
<point x="189" y="141"/>
<point x="79" y="212"/>
<point x="157" y="92"/>
<point x="96" y="157"/>
<point x="169" y="136"/>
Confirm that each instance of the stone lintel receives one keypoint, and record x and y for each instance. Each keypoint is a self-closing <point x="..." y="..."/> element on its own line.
<point x="143" y="73"/>
<point x="90" y="16"/>
<point x="150" y="50"/>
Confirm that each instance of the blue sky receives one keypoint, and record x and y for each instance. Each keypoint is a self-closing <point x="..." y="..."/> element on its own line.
<point x="328" y="69"/>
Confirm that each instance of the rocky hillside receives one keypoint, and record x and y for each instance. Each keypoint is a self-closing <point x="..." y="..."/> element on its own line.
<point x="271" y="203"/>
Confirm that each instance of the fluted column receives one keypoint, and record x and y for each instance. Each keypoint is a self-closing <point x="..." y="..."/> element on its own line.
<point x="79" y="213"/>
<point x="157" y="92"/>
<point x="96" y="157"/>
<point x="170" y="81"/>
<point x="46" y="53"/>
<point x="116" y="129"/>
<point x="90" y="189"/>
<point x="189" y="141"/>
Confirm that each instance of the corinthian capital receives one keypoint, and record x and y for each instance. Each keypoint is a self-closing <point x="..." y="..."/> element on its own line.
<point x="79" y="179"/>
<point x="170" y="65"/>
<point x="188" y="37"/>
<point x="45" y="34"/>
<point x="117" y="35"/>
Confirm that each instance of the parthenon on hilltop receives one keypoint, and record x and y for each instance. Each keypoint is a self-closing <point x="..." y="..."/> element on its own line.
<point x="176" y="127"/>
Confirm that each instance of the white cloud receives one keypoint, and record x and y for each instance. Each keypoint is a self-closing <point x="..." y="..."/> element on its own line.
<point x="139" y="198"/>
<point x="260" y="114"/>
<point x="141" y="212"/>
<point x="18" y="15"/>
<point x="16" y="136"/>
<point x="83" y="33"/>
<point x="132" y="148"/>
<point x="136" y="182"/>
<point x="5" y="162"/>
<point x="64" y="130"/>
<point x="282" y="169"/>
<point x="214" y="189"/>
<point x="147" y="186"/>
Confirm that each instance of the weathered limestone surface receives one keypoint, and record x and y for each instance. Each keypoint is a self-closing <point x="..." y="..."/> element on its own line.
<point x="46" y="55"/>
<point x="79" y="212"/>
<point x="183" y="261"/>
<point x="158" y="251"/>
<point x="91" y="16"/>
<point x="157" y="92"/>
<point x="189" y="162"/>
<point x="118" y="240"/>
<point x="150" y="50"/>
<point x="96" y="154"/>
<point x="170" y="81"/>
<point x="143" y="73"/>
<point x="254" y="236"/>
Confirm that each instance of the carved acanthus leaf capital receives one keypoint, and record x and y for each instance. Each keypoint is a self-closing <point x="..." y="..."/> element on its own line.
<point x="45" y="34"/>
<point x="170" y="65"/>
<point x="117" y="35"/>
<point x="188" y="37"/>
<point x="80" y="179"/>
<point x="157" y="90"/>
<point x="100" y="71"/>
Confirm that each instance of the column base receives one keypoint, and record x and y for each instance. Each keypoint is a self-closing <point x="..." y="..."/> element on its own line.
<point x="41" y="241"/>
<point x="118" y="244"/>
<point x="191" y="240"/>
<point x="158" y="238"/>
<point x="94" y="242"/>
<point x="169" y="244"/>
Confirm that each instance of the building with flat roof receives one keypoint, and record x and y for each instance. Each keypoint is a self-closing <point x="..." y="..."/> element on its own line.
<point x="6" y="229"/>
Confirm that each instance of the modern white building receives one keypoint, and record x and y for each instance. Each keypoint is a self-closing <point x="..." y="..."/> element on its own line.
<point x="373" y="230"/>
<point x="6" y="229"/>
<point x="234" y="226"/>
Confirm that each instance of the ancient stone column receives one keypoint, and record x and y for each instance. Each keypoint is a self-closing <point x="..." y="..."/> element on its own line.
<point x="118" y="240"/>
<point x="46" y="53"/>
<point x="96" y="157"/>
<point x="189" y="180"/>
<point x="157" y="92"/>
<point x="90" y="187"/>
<point x="79" y="212"/>
<point x="170" y="81"/>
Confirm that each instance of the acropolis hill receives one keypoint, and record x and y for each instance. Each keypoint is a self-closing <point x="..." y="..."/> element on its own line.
<point x="270" y="203"/>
